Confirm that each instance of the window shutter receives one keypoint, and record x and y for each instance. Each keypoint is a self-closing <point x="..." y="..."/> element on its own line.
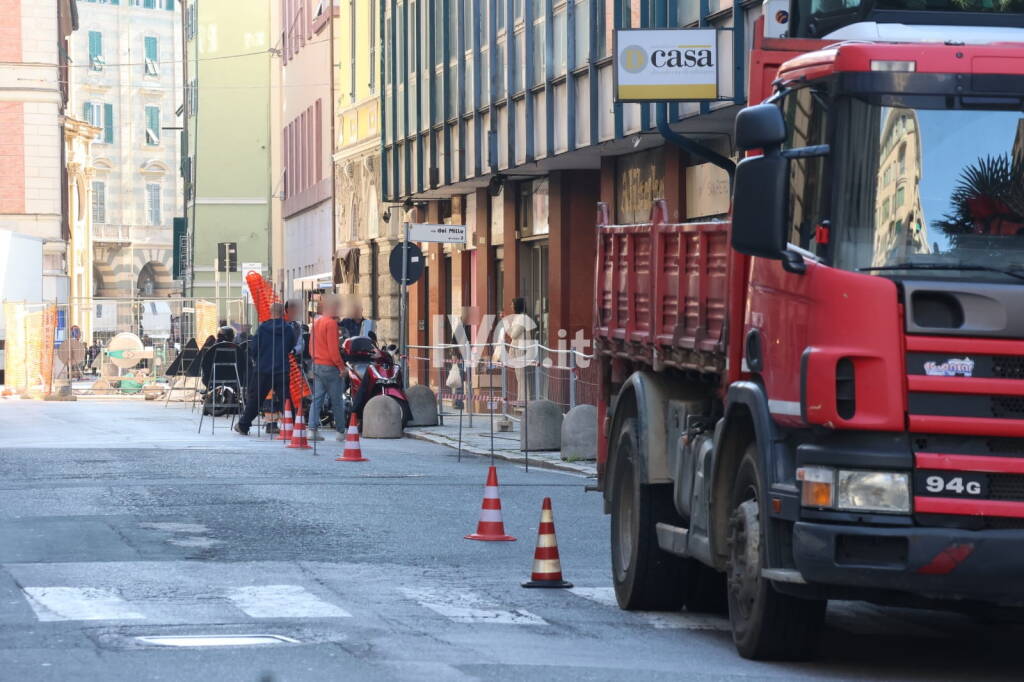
<point x="153" y="125"/>
<point x="108" y="123"/>
<point x="151" y="50"/>
<point x="95" y="44"/>
<point x="170" y="5"/>
<point x="87" y="112"/>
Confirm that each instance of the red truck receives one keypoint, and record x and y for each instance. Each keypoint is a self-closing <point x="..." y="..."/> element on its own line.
<point x="824" y="397"/>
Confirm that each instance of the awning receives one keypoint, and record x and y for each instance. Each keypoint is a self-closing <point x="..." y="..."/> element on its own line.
<point x="346" y="265"/>
<point x="313" y="282"/>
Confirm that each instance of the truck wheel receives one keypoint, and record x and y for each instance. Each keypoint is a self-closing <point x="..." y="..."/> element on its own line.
<point x="645" y="577"/>
<point x="765" y="623"/>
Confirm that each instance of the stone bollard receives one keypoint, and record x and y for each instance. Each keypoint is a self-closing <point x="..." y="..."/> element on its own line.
<point x="423" y="405"/>
<point x="579" y="433"/>
<point x="382" y="418"/>
<point x="542" y="424"/>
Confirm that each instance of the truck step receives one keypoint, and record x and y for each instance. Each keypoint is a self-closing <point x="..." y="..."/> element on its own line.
<point x="672" y="539"/>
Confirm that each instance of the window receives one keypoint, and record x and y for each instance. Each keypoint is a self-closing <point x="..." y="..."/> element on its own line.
<point x="101" y="116"/>
<point x="96" y="60"/>
<point x="149" y="4"/>
<point x="900" y="193"/>
<point x="152" y="125"/>
<point x="153" y="212"/>
<point x="373" y="48"/>
<point x="99" y="202"/>
<point x="152" y="56"/>
<point x="903" y="159"/>
<point x="806" y="122"/>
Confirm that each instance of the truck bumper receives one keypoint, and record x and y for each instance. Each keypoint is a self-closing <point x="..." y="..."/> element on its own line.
<point x="940" y="563"/>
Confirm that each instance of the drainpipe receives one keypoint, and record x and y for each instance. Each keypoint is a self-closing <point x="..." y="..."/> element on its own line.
<point x="692" y="146"/>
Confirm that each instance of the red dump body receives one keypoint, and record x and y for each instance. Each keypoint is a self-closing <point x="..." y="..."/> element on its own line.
<point x="662" y="291"/>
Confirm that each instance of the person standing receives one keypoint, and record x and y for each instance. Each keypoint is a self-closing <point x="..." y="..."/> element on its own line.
<point x="269" y="349"/>
<point x="329" y="374"/>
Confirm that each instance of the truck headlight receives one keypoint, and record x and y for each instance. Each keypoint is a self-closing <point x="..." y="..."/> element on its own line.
<point x="880" y="491"/>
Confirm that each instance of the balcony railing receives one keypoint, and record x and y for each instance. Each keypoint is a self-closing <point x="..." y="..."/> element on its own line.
<point x="131" y="234"/>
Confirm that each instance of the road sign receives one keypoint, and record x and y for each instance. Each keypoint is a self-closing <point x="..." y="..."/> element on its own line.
<point x="414" y="266"/>
<point x="657" y="65"/>
<point x="227" y="257"/>
<point x="431" y="232"/>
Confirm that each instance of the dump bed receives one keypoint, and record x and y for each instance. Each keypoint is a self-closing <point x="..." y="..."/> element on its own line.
<point x="662" y="292"/>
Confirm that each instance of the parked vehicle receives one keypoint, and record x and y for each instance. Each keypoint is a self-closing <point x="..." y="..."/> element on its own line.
<point x="824" y="398"/>
<point x="373" y="371"/>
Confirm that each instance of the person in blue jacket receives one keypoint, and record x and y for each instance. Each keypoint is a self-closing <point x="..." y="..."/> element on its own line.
<point x="269" y="350"/>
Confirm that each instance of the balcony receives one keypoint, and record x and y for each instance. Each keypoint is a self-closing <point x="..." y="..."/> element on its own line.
<point x="103" y="233"/>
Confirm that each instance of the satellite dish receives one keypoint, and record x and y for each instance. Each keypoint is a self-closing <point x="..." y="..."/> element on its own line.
<point x="126" y="349"/>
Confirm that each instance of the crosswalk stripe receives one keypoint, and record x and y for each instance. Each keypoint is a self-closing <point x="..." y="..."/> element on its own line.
<point x="467" y="607"/>
<point x="283" y="601"/>
<point x="78" y="603"/>
<point x="661" y="621"/>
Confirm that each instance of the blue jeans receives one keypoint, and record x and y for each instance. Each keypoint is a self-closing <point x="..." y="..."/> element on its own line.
<point x="328" y="381"/>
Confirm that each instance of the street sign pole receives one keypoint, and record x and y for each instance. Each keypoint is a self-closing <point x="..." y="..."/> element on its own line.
<point x="403" y="317"/>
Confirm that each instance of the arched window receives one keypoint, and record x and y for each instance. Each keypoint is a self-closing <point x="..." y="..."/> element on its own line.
<point x="147" y="280"/>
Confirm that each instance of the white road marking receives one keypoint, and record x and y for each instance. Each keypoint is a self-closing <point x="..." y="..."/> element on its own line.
<point x="467" y="607"/>
<point x="283" y="601"/>
<point x="661" y="621"/>
<point x="78" y="603"/>
<point x="172" y="527"/>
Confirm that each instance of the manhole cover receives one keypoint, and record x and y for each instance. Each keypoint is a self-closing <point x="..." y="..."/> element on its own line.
<point x="216" y="640"/>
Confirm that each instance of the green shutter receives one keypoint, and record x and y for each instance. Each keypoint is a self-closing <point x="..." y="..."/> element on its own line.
<point x="151" y="49"/>
<point x="87" y="112"/>
<point x="108" y="123"/>
<point x="95" y="45"/>
<point x="170" y="5"/>
<point x="149" y="4"/>
<point x="153" y="123"/>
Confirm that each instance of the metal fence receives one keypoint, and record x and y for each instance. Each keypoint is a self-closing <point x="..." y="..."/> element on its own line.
<point x="106" y="346"/>
<point x="480" y="380"/>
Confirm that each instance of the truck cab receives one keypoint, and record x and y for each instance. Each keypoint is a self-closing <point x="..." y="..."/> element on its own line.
<point x="856" y="429"/>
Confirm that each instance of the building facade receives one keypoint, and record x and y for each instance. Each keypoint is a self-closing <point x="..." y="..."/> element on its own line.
<point x="307" y="55"/>
<point x="127" y="83"/>
<point x="500" y="115"/>
<point x="231" y="82"/>
<point x="34" y="52"/>
<point x="363" y="236"/>
<point x="81" y="173"/>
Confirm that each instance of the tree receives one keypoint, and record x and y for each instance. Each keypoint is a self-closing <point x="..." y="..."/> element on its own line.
<point x="988" y="198"/>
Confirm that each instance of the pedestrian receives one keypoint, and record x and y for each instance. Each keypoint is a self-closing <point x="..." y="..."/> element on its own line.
<point x="329" y="373"/>
<point x="269" y="349"/>
<point x="354" y="324"/>
<point x="520" y="350"/>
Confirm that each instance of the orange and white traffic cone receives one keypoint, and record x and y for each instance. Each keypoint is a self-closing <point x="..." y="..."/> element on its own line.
<point x="490" y="527"/>
<point x="285" y="425"/>
<point x="547" y="568"/>
<point x="352" y="453"/>
<point x="299" y="433"/>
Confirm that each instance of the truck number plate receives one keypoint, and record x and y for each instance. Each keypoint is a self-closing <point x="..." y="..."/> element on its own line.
<point x="950" y="484"/>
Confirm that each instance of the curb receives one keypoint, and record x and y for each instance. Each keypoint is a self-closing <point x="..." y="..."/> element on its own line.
<point x="588" y="469"/>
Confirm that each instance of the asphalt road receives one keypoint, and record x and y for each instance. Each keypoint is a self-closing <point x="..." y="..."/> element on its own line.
<point x="118" y="523"/>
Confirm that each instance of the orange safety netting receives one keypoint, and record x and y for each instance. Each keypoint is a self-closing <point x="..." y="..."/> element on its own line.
<point x="263" y="296"/>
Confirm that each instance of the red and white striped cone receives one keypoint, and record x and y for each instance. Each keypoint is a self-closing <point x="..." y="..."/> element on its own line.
<point x="352" y="453"/>
<point x="299" y="433"/>
<point x="285" y="424"/>
<point x="490" y="527"/>
<point x="547" y="568"/>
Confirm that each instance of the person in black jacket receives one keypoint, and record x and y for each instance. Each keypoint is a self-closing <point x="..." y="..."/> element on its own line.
<point x="269" y="349"/>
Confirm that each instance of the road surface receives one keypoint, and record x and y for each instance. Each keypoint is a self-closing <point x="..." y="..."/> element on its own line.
<point x="120" y="524"/>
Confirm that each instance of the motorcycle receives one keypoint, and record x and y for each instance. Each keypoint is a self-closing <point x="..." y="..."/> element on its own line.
<point x="373" y="371"/>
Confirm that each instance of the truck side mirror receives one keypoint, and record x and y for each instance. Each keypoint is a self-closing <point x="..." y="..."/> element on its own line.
<point x="760" y="191"/>
<point x="760" y="127"/>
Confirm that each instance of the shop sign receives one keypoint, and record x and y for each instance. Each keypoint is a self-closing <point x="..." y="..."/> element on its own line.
<point x="657" y="65"/>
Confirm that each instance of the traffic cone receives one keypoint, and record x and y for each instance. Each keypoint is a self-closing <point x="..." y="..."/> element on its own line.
<point x="285" y="423"/>
<point x="547" y="569"/>
<point x="490" y="526"/>
<point x="352" y="453"/>
<point x="299" y="433"/>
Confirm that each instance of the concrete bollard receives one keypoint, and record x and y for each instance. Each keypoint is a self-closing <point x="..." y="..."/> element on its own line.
<point x="423" y="405"/>
<point x="542" y="424"/>
<point x="382" y="418"/>
<point x="579" y="433"/>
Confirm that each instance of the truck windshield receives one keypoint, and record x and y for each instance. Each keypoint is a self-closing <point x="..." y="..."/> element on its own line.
<point x="816" y="18"/>
<point x="920" y="187"/>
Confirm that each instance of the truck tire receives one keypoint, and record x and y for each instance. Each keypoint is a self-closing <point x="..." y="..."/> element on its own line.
<point x="765" y="623"/>
<point x="645" y="577"/>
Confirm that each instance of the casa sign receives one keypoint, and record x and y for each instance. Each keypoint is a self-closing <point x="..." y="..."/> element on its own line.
<point x="657" y="65"/>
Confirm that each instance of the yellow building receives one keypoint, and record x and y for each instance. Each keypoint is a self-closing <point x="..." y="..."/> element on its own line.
<point x="902" y="229"/>
<point x="362" y="235"/>
<point x="78" y="138"/>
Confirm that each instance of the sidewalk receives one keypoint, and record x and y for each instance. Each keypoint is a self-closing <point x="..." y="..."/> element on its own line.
<point x="476" y="440"/>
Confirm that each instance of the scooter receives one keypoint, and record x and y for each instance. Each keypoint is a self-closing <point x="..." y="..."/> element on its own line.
<point x="373" y="371"/>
